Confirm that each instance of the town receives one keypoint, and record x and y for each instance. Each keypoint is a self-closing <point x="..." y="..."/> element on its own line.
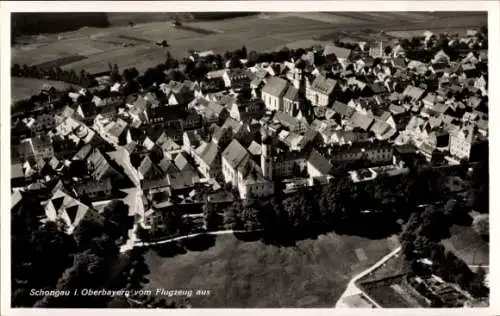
<point x="365" y="138"/>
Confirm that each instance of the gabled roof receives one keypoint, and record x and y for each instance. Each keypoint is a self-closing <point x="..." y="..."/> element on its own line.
<point x="148" y="169"/>
<point x="343" y="109"/>
<point x="167" y="143"/>
<point x="16" y="171"/>
<point x="292" y="94"/>
<point x="68" y="208"/>
<point x="255" y="148"/>
<point x="235" y="154"/>
<point x="210" y="153"/>
<point x="275" y="86"/>
<point x="285" y="119"/>
<point x="361" y="120"/>
<point x="414" y="92"/>
<point x="323" y="85"/>
<point x="319" y="162"/>
<point x="181" y="162"/>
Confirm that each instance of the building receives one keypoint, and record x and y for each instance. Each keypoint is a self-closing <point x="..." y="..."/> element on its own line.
<point x="321" y="91"/>
<point x="376" y="49"/>
<point x="234" y="156"/>
<point x="461" y="142"/>
<point x="236" y="79"/>
<point x="273" y="92"/>
<point x="68" y="209"/>
<point x="38" y="147"/>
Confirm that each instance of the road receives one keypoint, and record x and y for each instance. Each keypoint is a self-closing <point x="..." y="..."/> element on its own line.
<point x="352" y="289"/>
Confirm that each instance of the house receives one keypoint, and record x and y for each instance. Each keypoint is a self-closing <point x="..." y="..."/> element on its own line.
<point x="94" y="189"/>
<point x="151" y="175"/>
<point x="246" y="110"/>
<point x="413" y="93"/>
<point x="101" y="168"/>
<point x="289" y="122"/>
<point x="273" y="92"/>
<point x="375" y="153"/>
<point x="291" y="100"/>
<point x="441" y="57"/>
<point x="236" y="79"/>
<point x="38" y="147"/>
<point x="63" y="207"/>
<point x="439" y="68"/>
<point x="207" y="155"/>
<point x="234" y="156"/>
<point x="17" y="177"/>
<point x="190" y="140"/>
<point x="321" y="91"/>
<point x="360" y="120"/>
<point x="317" y="165"/>
<point x="461" y="142"/>
<point x="376" y="49"/>
<point x="481" y="83"/>
<point x="251" y="181"/>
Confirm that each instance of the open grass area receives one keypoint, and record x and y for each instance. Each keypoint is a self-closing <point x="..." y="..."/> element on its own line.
<point x="24" y="88"/>
<point x="468" y="245"/>
<point x="313" y="273"/>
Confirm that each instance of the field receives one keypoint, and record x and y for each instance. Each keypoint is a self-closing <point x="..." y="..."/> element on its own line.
<point x="24" y="88"/>
<point x="313" y="273"/>
<point x="468" y="245"/>
<point x="96" y="47"/>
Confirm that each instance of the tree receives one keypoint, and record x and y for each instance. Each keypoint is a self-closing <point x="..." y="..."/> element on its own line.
<point x="116" y="213"/>
<point x="481" y="225"/>
<point x="211" y="216"/>
<point x="235" y="62"/>
<point x="477" y="286"/>
<point x="250" y="218"/>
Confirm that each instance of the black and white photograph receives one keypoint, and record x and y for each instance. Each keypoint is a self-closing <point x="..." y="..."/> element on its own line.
<point x="248" y="158"/>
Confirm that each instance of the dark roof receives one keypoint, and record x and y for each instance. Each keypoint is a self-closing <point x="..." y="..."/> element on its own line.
<point x="319" y="162"/>
<point x="342" y="108"/>
<point x="291" y="94"/>
<point x="285" y="119"/>
<point x="235" y="154"/>
<point x="275" y="86"/>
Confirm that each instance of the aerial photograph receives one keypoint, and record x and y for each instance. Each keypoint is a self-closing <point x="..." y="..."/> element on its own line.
<point x="249" y="159"/>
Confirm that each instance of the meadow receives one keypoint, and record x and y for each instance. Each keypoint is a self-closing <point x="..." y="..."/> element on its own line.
<point x="93" y="48"/>
<point x="312" y="273"/>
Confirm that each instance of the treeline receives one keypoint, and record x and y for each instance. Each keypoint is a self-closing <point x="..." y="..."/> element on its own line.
<point x="83" y="79"/>
<point x="30" y="23"/>
<point x="45" y="257"/>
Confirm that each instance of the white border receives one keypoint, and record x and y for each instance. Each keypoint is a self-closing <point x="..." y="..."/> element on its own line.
<point x="178" y="6"/>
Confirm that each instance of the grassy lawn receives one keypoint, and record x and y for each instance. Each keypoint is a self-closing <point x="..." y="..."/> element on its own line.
<point x="24" y="88"/>
<point x="468" y="245"/>
<point x="313" y="273"/>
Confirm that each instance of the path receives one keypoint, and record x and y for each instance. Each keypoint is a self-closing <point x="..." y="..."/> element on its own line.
<point x="160" y="242"/>
<point x="352" y="289"/>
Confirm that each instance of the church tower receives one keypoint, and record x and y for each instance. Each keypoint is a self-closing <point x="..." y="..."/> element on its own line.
<point x="266" y="156"/>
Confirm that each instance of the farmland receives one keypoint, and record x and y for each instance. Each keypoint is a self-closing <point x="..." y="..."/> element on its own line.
<point x="24" y="88"/>
<point x="313" y="273"/>
<point x="93" y="48"/>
